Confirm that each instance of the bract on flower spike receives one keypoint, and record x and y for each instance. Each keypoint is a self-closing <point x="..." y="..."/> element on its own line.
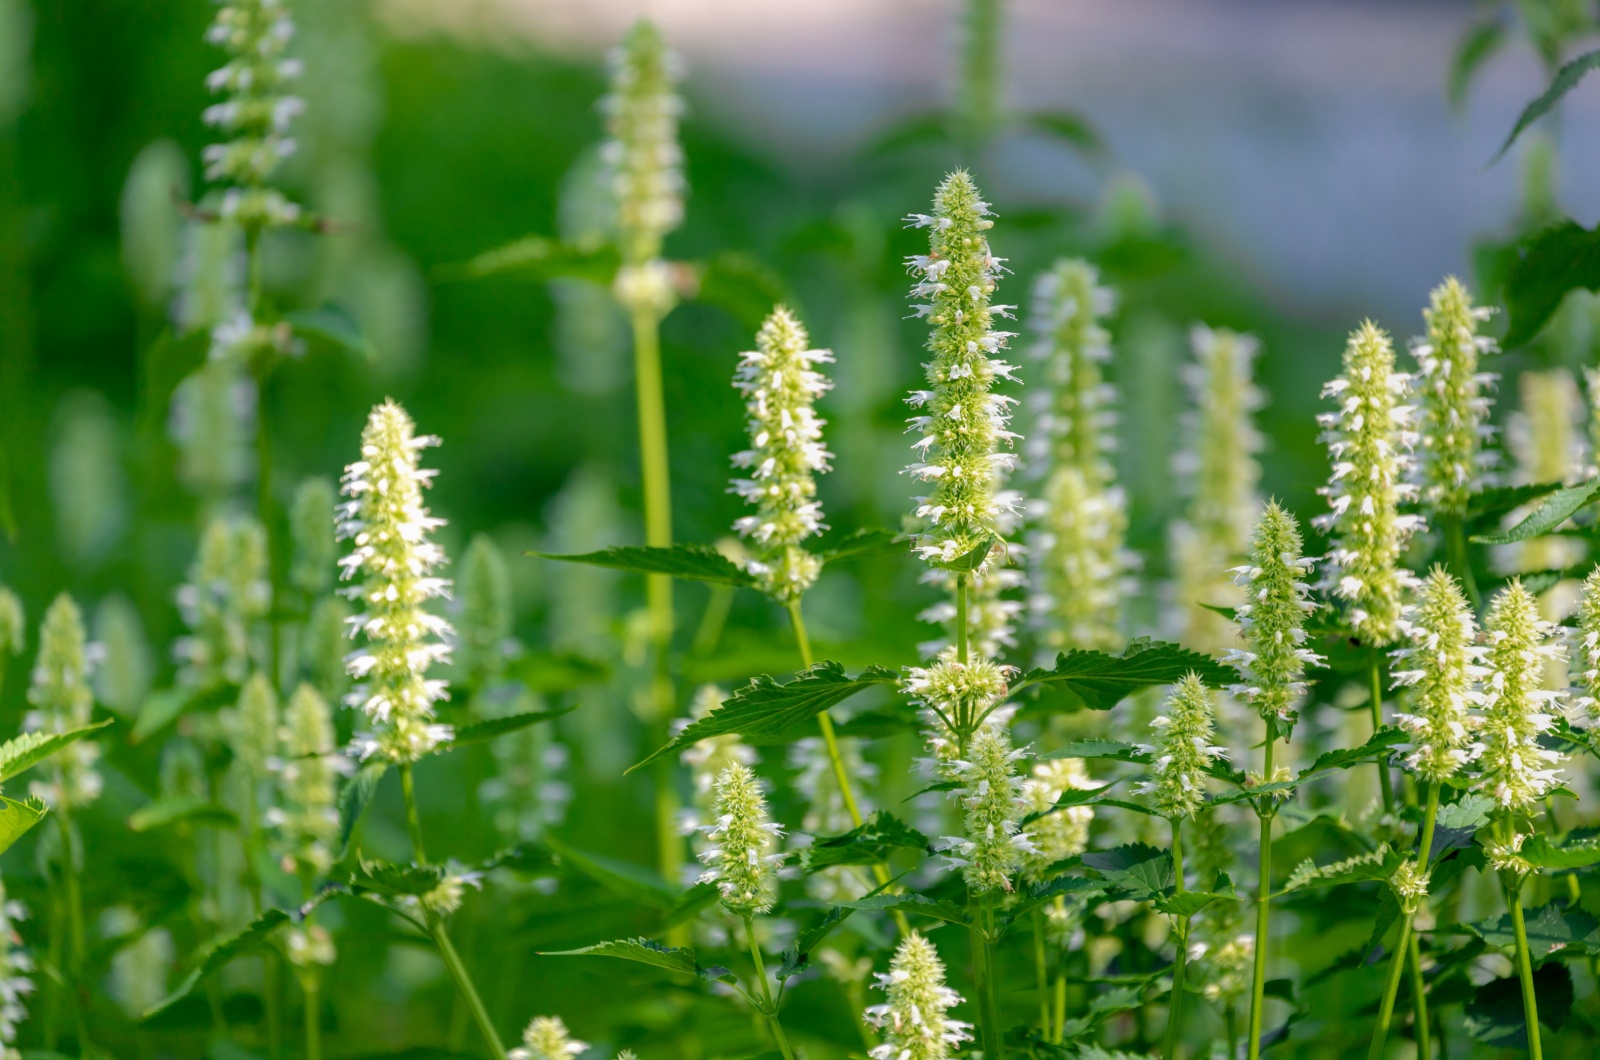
<point x="547" y="1038"/>
<point x="389" y="527"/>
<point x="956" y="698"/>
<point x="740" y="860"/>
<point x="1586" y="648"/>
<point x="914" y="1017"/>
<point x="227" y="597"/>
<point x="1370" y="440"/>
<point x="994" y="845"/>
<point x="307" y="818"/>
<point x="15" y="967"/>
<point x="780" y="385"/>
<point x="1514" y="768"/>
<point x="644" y="164"/>
<point x="1183" y="751"/>
<point x="1272" y="619"/>
<point x="1441" y="666"/>
<point x="63" y="700"/>
<point x="1060" y="834"/>
<point x="1453" y="396"/>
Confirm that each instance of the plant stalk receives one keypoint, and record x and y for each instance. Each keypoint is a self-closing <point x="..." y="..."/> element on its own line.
<point x="1061" y="987"/>
<point x="458" y="971"/>
<point x="1258" y="980"/>
<point x="1530" y="1001"/>
<point x="984" y="975"/>
<point x="1405" y="951"/>
<point x="766" y="991"/>
<point x="1041" y="968"/>
<point x="413" y="822"/>
<point x="1385" y="783"/>
<point x="1175" y="1006"/>
<point x="1460" y="560"/>
<point x="313" y="1003"/>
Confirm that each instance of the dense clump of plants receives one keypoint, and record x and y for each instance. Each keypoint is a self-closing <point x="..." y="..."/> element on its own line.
<point x="1331" y="793"/>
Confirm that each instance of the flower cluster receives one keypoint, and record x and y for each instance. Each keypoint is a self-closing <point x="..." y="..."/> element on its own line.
<point x="1514" y="769"/>
<point x="962" y="422"/>
<point x="1074" y="413"/>
<point x="1370" y="441"/>
<point x="1586" y="646"/>
<point x="991" y="801"/>
<point x="257" y="722"/>
<point x="256" y="112"/>
<point x="957" y="696"/>
<point x="914" y="1019"/>
<point x="1059" y="834"/>
<point x="1410" y="885"/>
<point x="780" y="384"/>
<point x="1272" y="618"/>
<point x="63" y="700"/>
<point x="740" y="860"/>
<point x="1453" y="396"/>
<point x="547" y="1038"/>
<point x="1444" y="666"/>
<point x="1183" y="751"/>
<point x="307" y="822"/>
<point x="1080" y="566"/>
<point x="707" y="759"/>
<point x="644" y="163"/>
<point x="389" y="527"/>
<point x="15" y="966"/>
<point x="224" y="603"/>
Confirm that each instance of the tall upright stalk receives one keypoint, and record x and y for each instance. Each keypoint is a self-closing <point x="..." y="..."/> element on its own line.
<point x="1375" y="676"/>
<point x="74" y="902"/>
<point x="1405" y="950"/>
<point x="1530" y="1000"/>
<point x="766" y="991"/>
<point x="1175" y="1006"/>
<point x="1266" y="811"/>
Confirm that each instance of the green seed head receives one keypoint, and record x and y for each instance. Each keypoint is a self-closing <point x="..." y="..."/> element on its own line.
<point x="1454" y="397"/>
<point x="1443" y="665"/>
<point x="1183" y="751"/>
<point x="740" y="860"/>
<point x="1513" y="768"/>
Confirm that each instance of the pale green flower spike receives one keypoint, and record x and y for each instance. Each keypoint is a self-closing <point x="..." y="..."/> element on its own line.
<point x="707" y="760"/>
<point x="1444" y="666"/>
<point x="13" y="623"/>
<point x="1454" y="397"/>
<point x="316" y="550"/>
<point x="644" y="164"/>
<point x="1591" y="386"/>
<point x="258" y="725"/>
<point x="1586" y="648"/>
<point x="1079" y="564"/>
<point x="325" y="642"/>
<point x="1370" y="440"/>
<point x="991" y="800"/>
<point x="224" y="602"/>
<point x="307" y="820"/>
<point x="825" y="809"/>
<point x="740" y="860"/>
<point x="1074" y="411"/>
<point x="914" y="1018"/>
<point x="485" y="623"/>
<point x="1272" y="619"/>
<point x="1546" y="438"/>
<point x="1183" y="751"/>
<point x="256" y="112"/>
<point x="962" y="423"/>
<point x="1513" y="768"/>
<point x="1410" y="884"/>
<point x="780" y="384"/>
<point x="62" y="700"/>
<point x="547" y="1038"/>
<point x="126" y="668"/>
<point x="15" y="967"/>
<point x="389" y="526"/>
<point x="1060" y="834"/>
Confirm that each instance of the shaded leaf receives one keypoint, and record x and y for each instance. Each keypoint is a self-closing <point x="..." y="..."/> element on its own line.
<point x="1137" y="868"/>
<point x="911" y="902"/>
<point x="557" y="671"/>
<point x="389" y="880"/>
<point x="221" y="953"/>
<point x="1072" y="797"/>
<point x="164" y="813"/>
<point x="1113" y="750"/>
<point x="1067" y="126"/>
<point x="691" y="903"/>
<point x="767" y="708"/>
<point x="1097" y="681"/>
<point x="1490" y="504"/>
<point x="1377" y="864"/>
<point x="632" y="881"/>
<point x="538" y="257"/>
<point x="971" y="559"/>
<point x="1557" y="509"/>
<point x="1550" y="928"/>
<point x="798" y="955"/>
<point x="1040" y="893"/>
<point x="28" y="750"/>
<point x="692" y="562"/>
<point x="863" y="543"/>
<point x="16" y="817"/>
<point x="1542" y="851"/>
<point x="1457" y="822"/>
<point x="1494" y="1015"/>
<point x="333" y="324"/>
<point x="1565" y="80"/>
<point x="740" y="284"/>
<point x="872" y="843"/>
<point x="1186" y="903"/>
<point x="640" y="951"/>
<point x="1376" y="747"/>
<point x="492" y="728"/>
<point x="1481" y="41"/>
<point x="355" y="796"/>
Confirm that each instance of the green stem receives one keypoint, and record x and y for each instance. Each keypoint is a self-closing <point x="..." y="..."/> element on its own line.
<point x="1175" y="1006"/>
<point x="458" y="971"/>
<point x="1041" y="968"/>
<point x="1375" y="672"/>
<point x="413" y="822"/>
<point x="1419" y="999"/>
<point x="766" y="991"/>
<point x="1230" y="1024"/>
<point x="1258" y="982"/>
<point x="313" y="1002"/>
<point x="1406" y="952"/>
<point x="1059" y="1028"/>
<point x="1455" y="544"/>
<point x="1530" y="1002"/>
<point x="74" y="889"/>
<point x="963" y="582"/>
<point x="1391" y="988"/>
<point x="984" y="978"/>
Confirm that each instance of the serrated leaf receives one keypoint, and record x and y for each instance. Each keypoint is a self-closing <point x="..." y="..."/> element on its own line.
<point x="493" y="728"/>
<point x="1377" y="864"/>
<point x="692" y="562"/>
<point x="1550" y="928"/>
<point x="1376" y="746"/>
<point x="1186" y="903"/>
<point x="546" y="672"/>
<point x="1481" y="40"/>
<point x="1040" y="893"/>
<point x="1565" y="80"/>
<point x="1490" y="504"/>
<point x="1112" y="750"/>
<point x="28" y="750"/>
<point x="164" y="813"/>
<point x="628" y="879"/>
<point x="1494" y="1016"/>
<point x="1137" y="868"/>
<point x="384" y="878"/>
<point x="220" y="954"/>
<point x="871" y="844"/>
<point x="640" y="951"/>
<point x="1071" y="797"/>
<point x="538" y="257"/>
<point x="768" y="708"/>
<point x="1542" y="268"/>
<point x="1556" y="509"/>
<point x="971" y="559"/>
<point x="911" y="902"/>
<point x="863" y="543"/>
<point x="354" y="797"/>
<point x="16" y="817"/>
<point x="1541" y="851"/>
<point x="798" y="955"/>
<point x="1098" y="681"/>
<point x="1458" y="821"/>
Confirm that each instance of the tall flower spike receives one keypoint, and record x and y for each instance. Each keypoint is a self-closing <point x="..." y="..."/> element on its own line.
<point x="707" y="759"/>
<point x="1454" y="397"/>
<point x="62" y="700"/>
<point x="644" y="164"/>
<point x="15" y="967"/>
<point x="258" y="725"/>
<point x="256" y="111"/>
<point x="316" y="552"/>
<point x="1586" y="647"/>
<point x="1060" y="834"/>
<point x="389" y="527"/>
<point x="227" y="597"/>
<point x="740" y="860"/>
<point x="307" y="820"/>
<point x="547" y="1038"/>
<point x="1514" y="769"/>
<point x="1546" y="438"/>
<point x="955" y="698"/>
<point x="1443" y="667"/>
<point x="962" y="422"/>
<point x="915" y="1017"/>
<point x="992" y="850"/>
<point x="486" y="612"/>
<point x="1272" y="619"/>
<point x="1370" y="440"/>
<point x="1183" y="751"/>
<point x="780" y="384"/>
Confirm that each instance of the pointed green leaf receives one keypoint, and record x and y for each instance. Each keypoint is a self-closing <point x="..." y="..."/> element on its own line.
<point x="251" y="938"/>
<point x="1112" y="750"/>
<point x="1073" y="797"/>
<point x="693" y="562"/>
<point x="334" y="325"/>
<point x="1137" y="868"/>
<point x="871" y="844"/>
<point x="355" y="796"/>
<point x="1549" y="928"/>
<point x="544" y="672"/>
<point x="28" y="750"/>
<point x="1541" y="851"/>
<point x="640" y="951"/>
<point x="1068" y="126"/>
<point x="1481" y="40"/>
<point x="1557" y="509"/>
<point x="1038" y="894"/>
<point x="765" y="708"/>
<point x="1186" y="903"/>
<point x="1494" y="1015"/>
<point x="1377" y="746"/>
<point x="1097" y="681"/>
<point x="911" y="902"/>
<point x="1495" y="502"/>
<point x="1565" y="81"/>
<point x="863" y="543"/>
<point x="1542" y="268"/>
<point x="192" y="810"/>
<point x="492" y="728"/>
<point x="632" y="881"/>
<point x="971" y="559"/>
<point x="389" y="880"/>
<point x="740" y="284"/>
<point x="16" y="817"/>
<point x="540" y="258"/>
<point x="798" y="955"/>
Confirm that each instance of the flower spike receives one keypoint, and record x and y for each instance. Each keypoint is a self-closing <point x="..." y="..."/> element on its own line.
<point x="1454" y="397"/>
<point x="740" y="860"/>
<point x="1514" y="768"/>
<point x="1444" y="666"/>
<point x="1272" y="620"/>
<point x="1183" y="751"/>
<point x="914" y="1018"/>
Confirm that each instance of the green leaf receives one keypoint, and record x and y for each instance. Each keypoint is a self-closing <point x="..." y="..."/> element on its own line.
<point x="971" y="559"/>
<point x="1480" y="42"/>
<point x="693" y="562"/>
<point x="1458" y="821"/>
<point x="355" y="796"/>
<point x="1097" y="681"/>
<point x="1541" y="269"/>
<point x="1549" y="515"/>
<point x="1549" y="928"/>
<point x="191" y="810"/>
<point x="161" y="708"/>
<point x="798" y="955"/>
<point x="1376" y="747"/>
<point x="1112" y="750"/>
<point x="1186" y="903"/>
<point x="1491" y="504"/>
<point x="389" y="880"/>
<point x="332" y="324"/>
<point x="1377" y="864"/>
<point x="740" y="284"/>
<point x="1073" y="797"/>
<point x="765" y="708"/>
<point x="911" y="902"/>
<point x="1541" y="851"/>
<point x="1067" y="126"/>
<point x="872" y="843"/>
<point x="28" y="750"/>
<point x="492" y="728"/>
<point x="864" y="543"/>
<point x="16" y="817"/>
<point x="540" y="258"/>
<point x="1137" y="868"/>
<point x="690" y="904"/>
<point x="640" y="951"/>
<point x="1494" y="1015"/>
<point x="545" y="672"/>
<point x="628" y="879"/>
<point x="1565" y="81"/>
<point x="220" y="953"/>
<point x="1040" y="893"/>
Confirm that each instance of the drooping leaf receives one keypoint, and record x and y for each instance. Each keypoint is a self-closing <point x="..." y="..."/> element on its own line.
<point x="540" y="258"/>
<point x="191" y="810"/>
<point x="692" y="562"/>
<point x="252" y="938"/>
<point x="1141" y="870"/>
<point x="28" y="750"/>
<point x="16" y="817"/>
<point x="1040" y="893"/>
<point x="1556" y="509"/>
<point x="1377" y="746"/>
<point x="740" y="284"/>
<point x="1490" y="504"/>
<point x="1072" y="797"/>
<point x="1102" y="1007"/>
<point x="872" y="843"/>
<point x="1112" y="750"/>
<point x="492" y="728"/>
<point x="767" y="708"/>
<point x="630" y="880"/>
<point x="863" y="542"/>
<point x="332" y="324"/>
<point x="355" y="796"/>
<point x="1481" y="41"/>
<point x="911" y="902"/>
<point x="1186" y="903"/>
<point x="1565" y="80"/>
<point x="1494" y="1014"/>
<point x="640" y="951"/>
<point x="546" y="672"/>
<point x="1096" y="681"/>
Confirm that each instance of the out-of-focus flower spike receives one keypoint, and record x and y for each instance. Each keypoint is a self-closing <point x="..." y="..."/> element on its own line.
<point x="63" y="700"/>
<point x="1272" y="619"/>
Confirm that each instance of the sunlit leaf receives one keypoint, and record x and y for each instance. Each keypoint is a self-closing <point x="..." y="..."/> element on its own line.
<point x="28" y="750"/>
<point x="191" y="810"/>
<point x="872" y="843"/>
<point x="493" y="728"/>
<point x="1557" y="509"/>
<point x="1098" y="681"/>
<point x="354" y="797"/>
<point x="693" y="562"/>
<point x="16" y="817"/>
